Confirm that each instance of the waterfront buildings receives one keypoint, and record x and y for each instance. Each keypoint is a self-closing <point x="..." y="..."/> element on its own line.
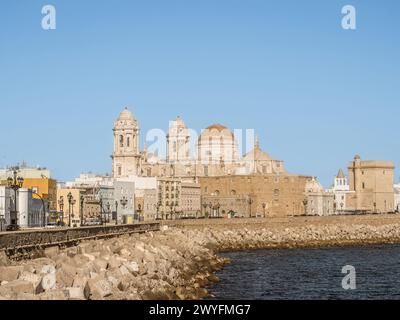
<point x="397" y="197"/>
<point x="216" y="153"/>
<point x="319" y="202"/>
<point x="254" y="195"/>
<point x="38" y="179"/>
<point x="340" y="190"/>
<point x="371" y="186"/>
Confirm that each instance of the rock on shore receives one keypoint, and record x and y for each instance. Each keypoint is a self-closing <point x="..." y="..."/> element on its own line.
<point x="175" y="263"/>
<point x="163" y="265"/>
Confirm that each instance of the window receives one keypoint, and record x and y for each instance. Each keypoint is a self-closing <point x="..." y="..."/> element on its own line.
<point x="264" y="169"/>
<point x="119" y="171"/>
<point x="128" y="142"/>
<point x="276" y="192"/>
<point x="121" y="141"/>
<point x="206" y="171"/>
<point x="363" y="185"/>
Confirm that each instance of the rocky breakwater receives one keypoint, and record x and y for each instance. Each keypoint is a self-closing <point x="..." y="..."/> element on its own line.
<point x="257" y="237"/>
<point x="169" y="264"/>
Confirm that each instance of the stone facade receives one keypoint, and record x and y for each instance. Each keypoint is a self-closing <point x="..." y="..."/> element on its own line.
<point x="254" y="195"/>
<point x="371" y="186"/>
<point x="216" y="153"/>
<point x="177" y="198"/>
<point x="319" y="202"/>
<point x="340" y="190"/>
<point x="397" y="197"/>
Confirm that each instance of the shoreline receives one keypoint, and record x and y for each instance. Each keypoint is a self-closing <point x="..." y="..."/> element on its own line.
<point x="179" y="261"/>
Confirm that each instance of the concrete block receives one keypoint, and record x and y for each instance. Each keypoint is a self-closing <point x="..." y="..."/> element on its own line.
<point x="10" y="273"/>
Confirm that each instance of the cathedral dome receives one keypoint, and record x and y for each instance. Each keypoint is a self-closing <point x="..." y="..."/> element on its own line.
<point x="218" y="131"/>
<point x="126" y="115"/>
<point x="126" y="120"/>
<point x="313" y="186"/>
<point x="217" y="143"/>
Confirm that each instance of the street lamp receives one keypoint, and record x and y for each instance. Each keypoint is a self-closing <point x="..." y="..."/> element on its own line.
<point x="15" y="183"/>
<point x="108" y="211"/>
<point x="124" y="202"/>
<point x="82" y="202"/>
<point x="264" y="206"/>
<point x="205" y="209"/>
<point x="250" y="201"/>
<point x="116" y="212"/>
<point x="158" y="208"/>
<point x="61" y="205"/>
<point x="217" y="206"/>
<point x="305" y="202"/>
<point x="70" y="201"/>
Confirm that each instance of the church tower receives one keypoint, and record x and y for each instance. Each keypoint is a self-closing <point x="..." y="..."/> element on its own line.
<point x="126" y="156"/>
<point x="178" y="142"/>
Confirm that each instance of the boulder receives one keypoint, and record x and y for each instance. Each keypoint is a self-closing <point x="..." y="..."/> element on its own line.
<point x="100" y="265"/>
<point x="64" y="279"/>
<point x="75" y="293"/>
<point x="4" y="261"/>
<point x="132" y="266"/>
<point x="10" y="273"/>
<point x="33" y="278"/>
<point x="51" y="252"/>
<point x="17" y="287"/>
<point x="100" y="288"/>
<point x="48" y="281"/>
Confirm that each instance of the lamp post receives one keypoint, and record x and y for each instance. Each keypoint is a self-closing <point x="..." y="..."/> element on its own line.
<point x="264" y="206"/>
<point x="305" y="202"/>
<point x="250" y="201"/>
<point x="70" y="200"/>
<point x="108" y="211"/>
<point x="15" y="183"/>
<point x="82" y="202"/>
<point x="158" y="205"/>
<point x="124" y="202"/>
<point x="205" y="209"/>
<point x="61" y="205"/>
<point x="116" y="212"/>
<point x="101" y="210"/>
<point x="217" y="206"/>
<point x="211" y="209"/>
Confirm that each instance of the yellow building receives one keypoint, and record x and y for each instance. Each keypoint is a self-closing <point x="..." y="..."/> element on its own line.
<point x="37" y="179"/>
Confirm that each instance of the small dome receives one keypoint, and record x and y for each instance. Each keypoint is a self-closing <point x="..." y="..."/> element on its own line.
<point x="216" y="130"/>
<point x="313" y="186"/>
<point x="357" y="157"/>
<point x="126" y="115"/>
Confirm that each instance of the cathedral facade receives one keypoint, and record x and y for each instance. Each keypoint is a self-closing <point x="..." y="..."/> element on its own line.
<point x="216" y="153"/>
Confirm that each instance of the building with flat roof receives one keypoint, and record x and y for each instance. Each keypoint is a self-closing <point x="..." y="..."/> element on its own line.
<point x="371" y="186"/>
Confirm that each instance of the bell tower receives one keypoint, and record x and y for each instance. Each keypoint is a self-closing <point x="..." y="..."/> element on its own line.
<point x="126" y="158"/>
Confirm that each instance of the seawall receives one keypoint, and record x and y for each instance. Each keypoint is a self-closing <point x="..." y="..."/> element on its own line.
<point x="178" y="261"/>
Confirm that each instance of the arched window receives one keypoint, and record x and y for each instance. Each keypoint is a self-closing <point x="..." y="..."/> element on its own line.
<point x="128" y="142"/>
<point x="121" y="141"/>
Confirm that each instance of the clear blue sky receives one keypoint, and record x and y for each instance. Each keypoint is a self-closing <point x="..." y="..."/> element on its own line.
<point x="315" y="93"/>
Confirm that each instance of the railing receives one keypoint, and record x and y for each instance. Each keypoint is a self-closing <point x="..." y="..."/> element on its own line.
<point x="21" y="242"/>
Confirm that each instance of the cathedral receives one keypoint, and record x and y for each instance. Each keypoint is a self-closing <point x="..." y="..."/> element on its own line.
<point x="216" y="153"/>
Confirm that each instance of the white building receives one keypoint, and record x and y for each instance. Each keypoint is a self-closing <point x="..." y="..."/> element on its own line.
<point x="397" y="197"/>
<point x="319" y="201"/>
<point x="340" y="189"/>
<point x="5" y="207"/>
